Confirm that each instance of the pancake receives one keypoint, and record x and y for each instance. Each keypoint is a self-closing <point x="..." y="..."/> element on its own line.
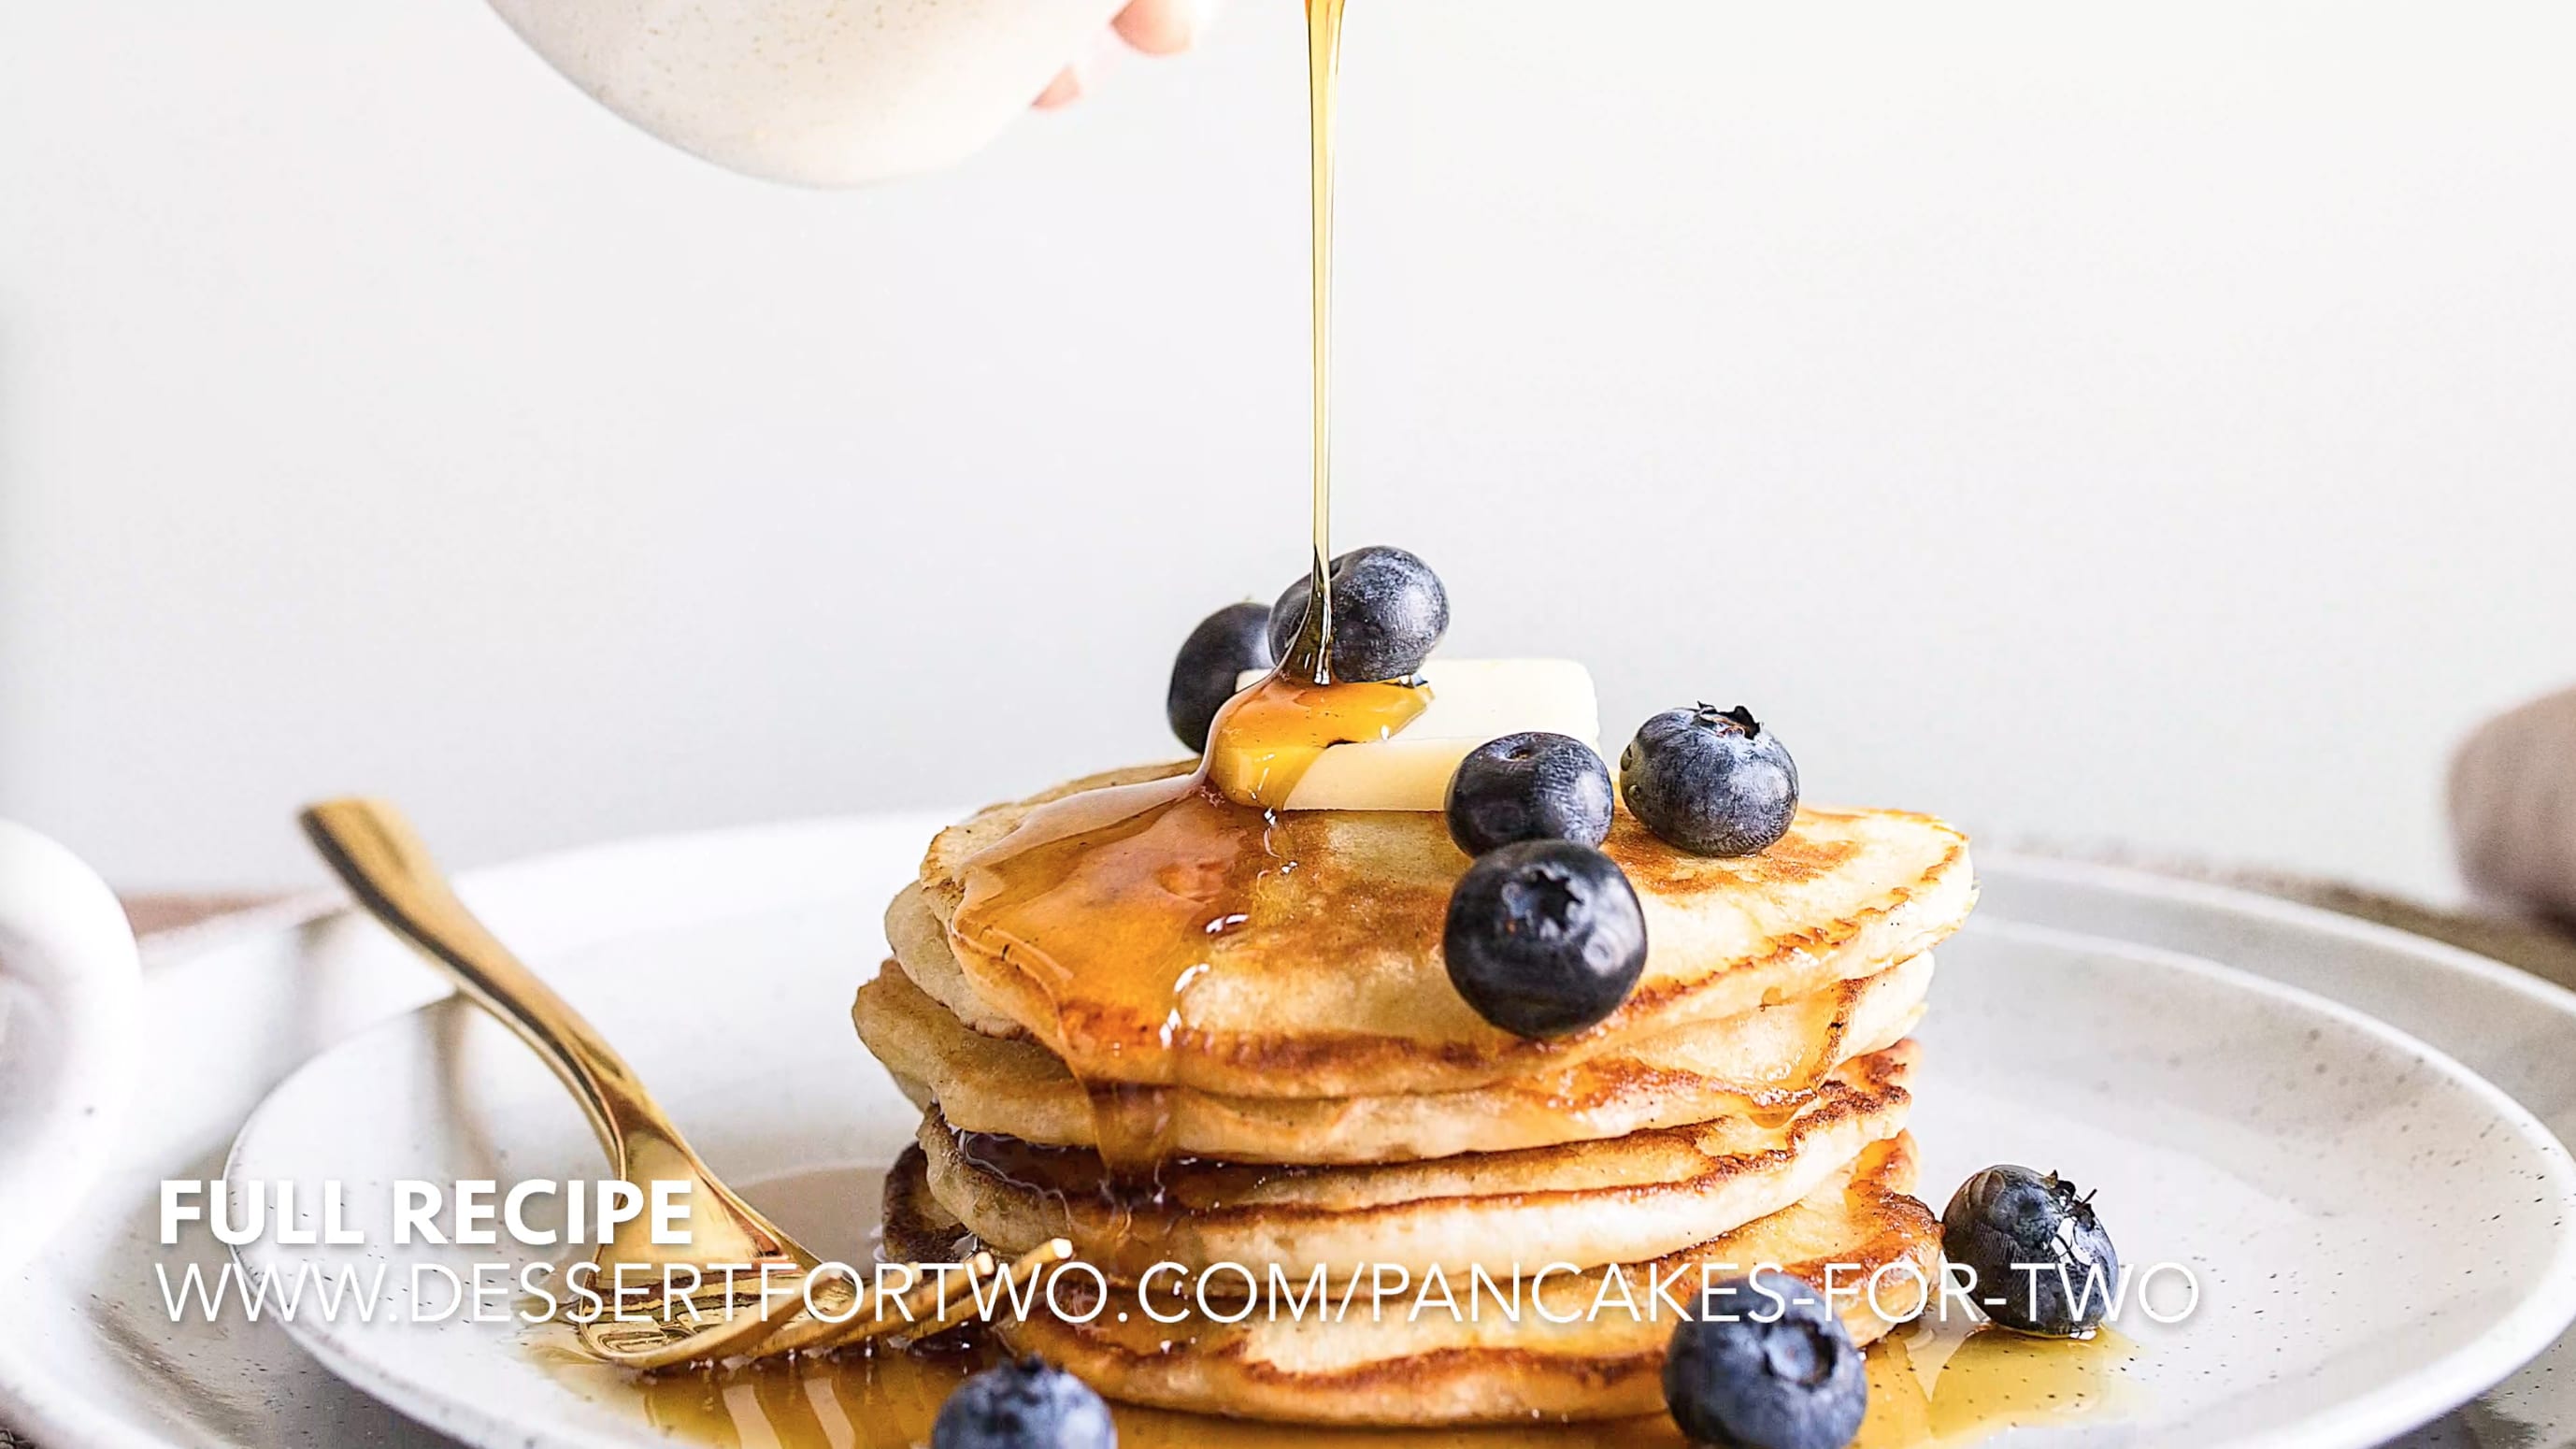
<point x="1319" y="974"/>
<point x="1431" y="1369"/>
<point x="920" y="942"/>
<point x="1754" y="1062"/>
<point x="1623" y="1200"/>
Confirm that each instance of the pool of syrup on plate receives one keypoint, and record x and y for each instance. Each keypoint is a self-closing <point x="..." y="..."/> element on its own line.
<point x="1930" y="1387"/>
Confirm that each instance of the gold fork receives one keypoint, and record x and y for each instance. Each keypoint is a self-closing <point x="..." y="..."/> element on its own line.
<point x="374" y="850"/>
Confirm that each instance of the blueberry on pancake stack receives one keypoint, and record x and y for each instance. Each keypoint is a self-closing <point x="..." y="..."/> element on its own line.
<point x="1443" y="1008"/>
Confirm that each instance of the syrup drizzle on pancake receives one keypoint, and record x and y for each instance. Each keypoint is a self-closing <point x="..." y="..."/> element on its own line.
<point x="1265" y="738"/>
<point x="1120" y="891"/>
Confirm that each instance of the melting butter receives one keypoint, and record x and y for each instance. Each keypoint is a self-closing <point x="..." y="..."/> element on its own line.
<point x="1471" y="701"/>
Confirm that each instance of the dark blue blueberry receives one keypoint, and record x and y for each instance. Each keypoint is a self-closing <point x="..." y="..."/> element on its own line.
<point x="1226" y="643"/>
<point x="2008" y="1216"/>
<point x="1389" y="612"/>
<point x="1024" y="1405"/>
<point x="1711" y="781"/>
<point x="1534" y="786"/>
<point x="1783" y="1375"/>
<point x="1544" y="937"/>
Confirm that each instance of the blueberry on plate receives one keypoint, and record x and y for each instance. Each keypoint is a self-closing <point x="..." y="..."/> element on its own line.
<point x="1389" y="612"/>
<point x="1544" y="937"/>
<point x="1025" y="1404"/>
<point x="1226" y="643"/>
<point x="1711" y="781"/>
<point x="1531" y="786"/>
<point x="1783" y="1375"/>
<point x="2006" y="1217"/>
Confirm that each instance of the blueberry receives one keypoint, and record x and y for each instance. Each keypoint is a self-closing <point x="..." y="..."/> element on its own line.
<point x="1783" y="1375"/>
<point x="2008" y="1216"/>
<point x="1389" y="612"/>
<point x="1534" y="786"/>
<point x="1544" y="937"/>
<point x="1711" y="781"/>
<point x="1028" y="1404"/>
<point x="1226" y="643"/>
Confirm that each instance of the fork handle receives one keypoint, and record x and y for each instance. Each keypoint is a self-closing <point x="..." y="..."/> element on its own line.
<point x="373" y="849"/>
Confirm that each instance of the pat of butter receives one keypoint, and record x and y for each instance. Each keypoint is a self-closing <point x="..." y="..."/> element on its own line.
<point x="1472" y="701"/>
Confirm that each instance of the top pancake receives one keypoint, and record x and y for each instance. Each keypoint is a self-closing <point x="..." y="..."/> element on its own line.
<point x="1324" y="978"/>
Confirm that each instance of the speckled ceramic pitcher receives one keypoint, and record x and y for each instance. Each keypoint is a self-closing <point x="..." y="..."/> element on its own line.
<point x="816" y="92"/>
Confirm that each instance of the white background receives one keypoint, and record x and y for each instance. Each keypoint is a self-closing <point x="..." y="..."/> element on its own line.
<point x="2147" y="425"/>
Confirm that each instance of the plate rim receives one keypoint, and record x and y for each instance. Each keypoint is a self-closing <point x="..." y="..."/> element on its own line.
<point x="2239" y="900"/>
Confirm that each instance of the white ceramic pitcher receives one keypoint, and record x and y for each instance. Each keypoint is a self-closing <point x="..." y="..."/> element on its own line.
<point x="69" y="994"/>
<point x="817" y="92"/>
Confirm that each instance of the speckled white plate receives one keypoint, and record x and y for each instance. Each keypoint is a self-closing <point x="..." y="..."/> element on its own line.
<point x="2503" y="1023"/>
<point x="88" y="1358"/>
<point x="2377" y="1233"/>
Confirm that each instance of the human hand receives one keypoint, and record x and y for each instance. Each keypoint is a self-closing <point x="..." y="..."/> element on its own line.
<point x="1153" y="27"/>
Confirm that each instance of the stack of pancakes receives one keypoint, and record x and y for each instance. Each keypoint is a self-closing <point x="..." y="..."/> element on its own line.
<point x="1329" y="1103"/>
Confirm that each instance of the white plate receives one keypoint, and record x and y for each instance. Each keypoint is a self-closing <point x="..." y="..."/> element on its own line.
<point x="2301" y="1159"/>
<point x="87" y="1357"/>
<point x="2505" y="1024"/>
